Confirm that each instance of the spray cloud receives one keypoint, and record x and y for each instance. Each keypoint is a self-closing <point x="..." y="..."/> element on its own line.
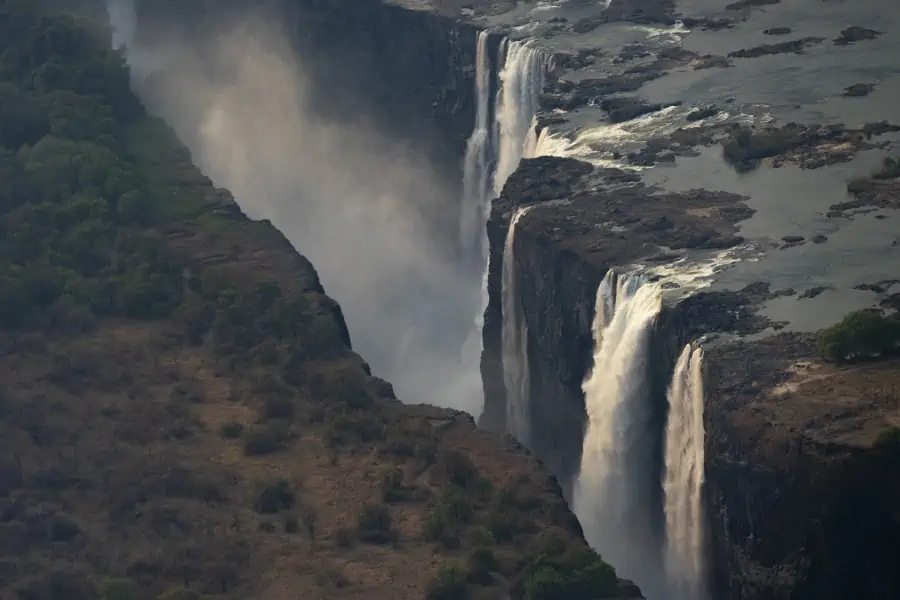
<point x="354" y="201"/>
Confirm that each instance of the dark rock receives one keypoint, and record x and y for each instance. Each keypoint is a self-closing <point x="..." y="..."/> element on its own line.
<point x="858" y="90"/>
<point x="854" y="34"/>
<point x="819" y="239"/>
<point x="792" y="47"/>
<point x="793" y="239"/>
<point x="702" y="113"/>
<point x="623" y="109"/>
<point x="777" y="31"/>
<point x="742" y="4"/>
<point x="815" y="291"/>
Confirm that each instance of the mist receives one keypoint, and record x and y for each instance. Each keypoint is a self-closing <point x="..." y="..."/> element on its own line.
<point x="367" y="209"/>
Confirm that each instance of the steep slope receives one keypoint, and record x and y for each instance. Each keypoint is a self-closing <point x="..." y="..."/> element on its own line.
<point x="180" y="409"/>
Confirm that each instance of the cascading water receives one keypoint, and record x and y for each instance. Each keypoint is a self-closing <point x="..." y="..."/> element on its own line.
<point x="514" y="333"/>
<point x="683" y="481"/>
<point x="613" y="494"/>
<point x="522" y="80"/>
<point x="493" y="152"/>
<point x="476" y="168"/>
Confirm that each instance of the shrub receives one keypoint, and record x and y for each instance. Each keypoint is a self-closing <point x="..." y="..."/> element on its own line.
<point x="447" y="518"/>
<point x="392" y="488"/>
<point x="481" y="564"/>
<point x="275" y="497"/>
<point x="374" y="524"/>
<point x="268" y="440"/>
<point x="579" y="574"/>
<point x="343" y="537"/>
<point x="181" y="594"/>
<point x="232" y="430"/>
<point x="279" y="408"/>
<point x="448" y="584"/>
<point x="888" y="438"/>
<point x="860" y="335"/>
<point x="118" y="589"/>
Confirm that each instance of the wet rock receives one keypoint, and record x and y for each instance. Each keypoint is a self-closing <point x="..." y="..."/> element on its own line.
<point x="791" y="47"/>
<point x="708" y="24"/>
<point x="870" y="287"/>
<point x="620" y="109"/>
<point x="819" y="239"/>
<point x="858" y="90"/>
<point x="742" y="4"/>
<point x="793" y="239"/>
<point x="815" y="291"/>
<point x="702" y="113"/>
<point x="855" y="34"/>
<point x="710" y="61"/>
<point x="777" y="31"/>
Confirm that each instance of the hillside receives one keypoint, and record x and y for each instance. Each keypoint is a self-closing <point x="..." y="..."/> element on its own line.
<point x="180" y="410"/>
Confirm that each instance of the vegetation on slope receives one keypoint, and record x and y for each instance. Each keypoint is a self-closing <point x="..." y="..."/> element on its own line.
<point x="180" y="412"/>
<point x="860" y="335"/>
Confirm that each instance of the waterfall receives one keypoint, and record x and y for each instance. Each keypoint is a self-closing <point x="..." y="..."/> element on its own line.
<point x="683" y="482"/>
<point x="522" y="80"/>
<point x="476" y="167"/>
<point x="614" y="492"/>
<point x="514" y="332"/>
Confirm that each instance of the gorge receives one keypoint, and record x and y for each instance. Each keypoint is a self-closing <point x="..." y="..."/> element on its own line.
<point x="423" y="339"/>
<point x="601" y="228"/>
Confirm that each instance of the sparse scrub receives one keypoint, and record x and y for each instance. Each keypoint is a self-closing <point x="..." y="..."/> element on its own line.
<point x="282" y="407"/>
<point x="392" y="488"/>
<point x="448" y="584"/>
<point x="447" y="518"/>
<point x="275" y="497"/>
<point x="481" y="564"/>
<point x="232" y="430"/>
<point x="374" y="524"/>
<point x="266" y="440"/>
<point x="118" y="589"/>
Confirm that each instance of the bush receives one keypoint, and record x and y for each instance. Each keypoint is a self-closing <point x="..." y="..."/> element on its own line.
<point x="392" y="488"/>
<point x="118" y="589"/>
<point x="448" y="584"/>
<point x="268" y="440"/>
<point x="447" y="518"/>
<point x="579" y="574"/>
<point x="861" y="335"/>
<point x="888" y="438"/>
<point x="232" y="430"/>
<point x="374" y="524"/>
<point x="275" y="497"/>
<point x="482" y="563"/>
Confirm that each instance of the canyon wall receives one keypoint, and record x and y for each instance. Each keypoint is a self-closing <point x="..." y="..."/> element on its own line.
<point x="802" y="491"/>
<point x="559" y="265"/>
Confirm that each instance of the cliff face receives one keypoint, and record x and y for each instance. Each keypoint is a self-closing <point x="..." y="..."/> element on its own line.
<point x="802" y="474"/>
<point x="585" y="223"/>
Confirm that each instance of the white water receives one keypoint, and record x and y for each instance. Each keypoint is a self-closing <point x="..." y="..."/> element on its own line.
<point x="475" y="208"/>
<point x="683" y="481"/>
<point x="522" y="80"/>
<point x="612" y="500"/>
<point x="514" y="333"/>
